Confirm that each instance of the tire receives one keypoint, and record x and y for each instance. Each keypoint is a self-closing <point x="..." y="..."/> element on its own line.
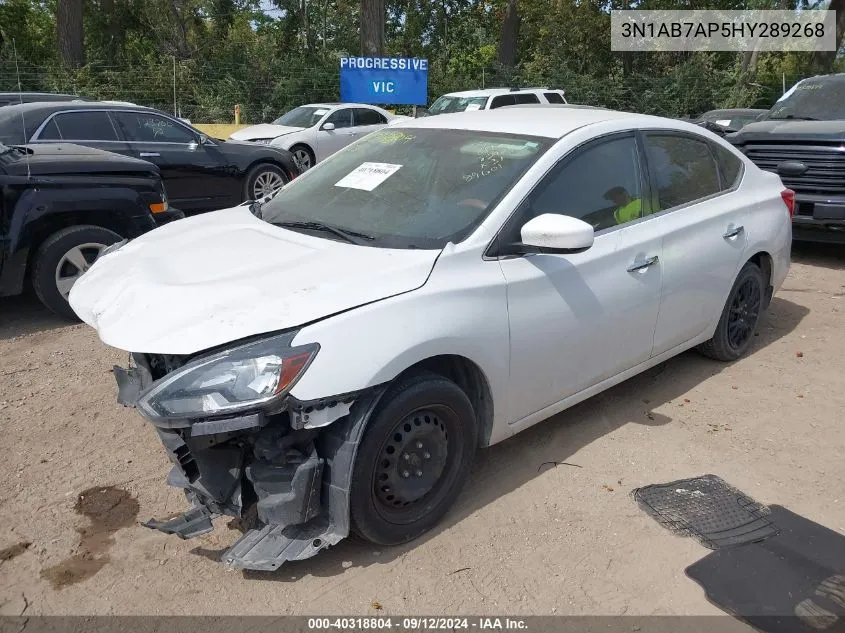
<point x="740" y="316"/>
<point x="301" y="154"/>
<point x="263" y="179"/>
<point x="431" y="420"/>
<point x="54" y="270"/>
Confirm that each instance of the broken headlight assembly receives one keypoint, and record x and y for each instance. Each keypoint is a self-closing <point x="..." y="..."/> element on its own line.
<point x="237" y="379"/>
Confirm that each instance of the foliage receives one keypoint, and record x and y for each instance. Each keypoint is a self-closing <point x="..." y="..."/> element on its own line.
<point x="270" y="56"/>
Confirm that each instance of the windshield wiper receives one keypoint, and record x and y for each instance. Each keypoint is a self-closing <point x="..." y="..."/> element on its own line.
<point x="353" y="237"/>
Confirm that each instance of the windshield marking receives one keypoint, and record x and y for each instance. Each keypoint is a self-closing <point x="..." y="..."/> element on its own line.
<point x="368" y="176"/>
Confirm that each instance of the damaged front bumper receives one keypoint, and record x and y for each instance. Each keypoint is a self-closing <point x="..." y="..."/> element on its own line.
<point x="285" y="474"/>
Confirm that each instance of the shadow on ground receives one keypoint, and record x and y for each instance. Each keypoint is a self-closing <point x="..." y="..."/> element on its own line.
<point x="508" y="465"/>
<point x="823" y="255"/>
<point x="24" y="315"/>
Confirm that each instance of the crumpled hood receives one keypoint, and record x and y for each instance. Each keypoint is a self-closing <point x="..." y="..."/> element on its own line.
<point x="265" y="130"/>
<point x="218" y="277"/>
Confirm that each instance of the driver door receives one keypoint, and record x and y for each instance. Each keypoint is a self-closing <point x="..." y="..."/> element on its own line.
<point x="578" y="319"/>
<point x="331" y="141"/>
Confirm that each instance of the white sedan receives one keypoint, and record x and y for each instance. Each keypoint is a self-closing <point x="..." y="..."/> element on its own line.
<point x="315" y="131"/>
<point x="436" y="287"/>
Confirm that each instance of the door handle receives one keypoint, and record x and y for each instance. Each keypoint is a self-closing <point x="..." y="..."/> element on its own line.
<point x="732" y="233"/>
<point x="149" y="154"/>
<point x="638" y="266"/>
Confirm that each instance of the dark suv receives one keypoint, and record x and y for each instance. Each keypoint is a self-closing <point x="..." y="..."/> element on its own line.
<point x="61" y="206"/>
<point x="802" y="139"/>
<point x="199" y="173"/>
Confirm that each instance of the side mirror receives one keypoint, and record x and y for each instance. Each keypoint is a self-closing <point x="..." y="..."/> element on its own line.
<point x="203" y="139"/>
<point x="328" y="127"/>
<point x="555" y="233"/>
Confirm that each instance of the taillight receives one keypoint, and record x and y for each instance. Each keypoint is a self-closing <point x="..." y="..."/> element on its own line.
<point x="789" y="200"/>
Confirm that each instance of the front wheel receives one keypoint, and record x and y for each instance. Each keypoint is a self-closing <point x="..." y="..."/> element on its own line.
<point x="742" y="311"/>
<point x="62" y="259"/>
<point x="413" y="460"/>
<point x="303" y="156"/>
<point x="264" y="180"/>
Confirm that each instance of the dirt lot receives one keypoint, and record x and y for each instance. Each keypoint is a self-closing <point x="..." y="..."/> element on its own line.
<point x="523" y="539"/>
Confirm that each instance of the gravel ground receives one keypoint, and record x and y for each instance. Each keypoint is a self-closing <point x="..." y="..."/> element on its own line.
<point x="78" y="472"/>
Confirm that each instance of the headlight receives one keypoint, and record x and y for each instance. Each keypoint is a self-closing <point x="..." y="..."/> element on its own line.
<point x="233" y="380"/>
<point x="262" y="141"/>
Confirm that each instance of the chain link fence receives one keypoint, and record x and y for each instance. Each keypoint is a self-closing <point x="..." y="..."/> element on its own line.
<point x="206" y="93"/>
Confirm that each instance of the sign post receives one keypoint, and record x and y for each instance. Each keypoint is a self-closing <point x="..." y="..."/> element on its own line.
<point x="384" y="80"/>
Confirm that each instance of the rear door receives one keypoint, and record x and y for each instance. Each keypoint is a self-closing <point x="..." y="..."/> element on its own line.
<point x="367" y="120"/>
<point x="695" y="182"/>
<point x="195" y="176"/>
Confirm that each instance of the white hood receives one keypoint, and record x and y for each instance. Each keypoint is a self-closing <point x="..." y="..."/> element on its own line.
<point x="222" y="276"/>
<point x="265" y="130"/>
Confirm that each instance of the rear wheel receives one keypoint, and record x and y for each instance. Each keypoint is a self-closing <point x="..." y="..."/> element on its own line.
<point x="62" y="259"/>
<point x="740" y="316"/>
<point x="413" y="460"/>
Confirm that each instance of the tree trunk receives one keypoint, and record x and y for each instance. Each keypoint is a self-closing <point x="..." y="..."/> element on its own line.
<point x="510" y="31"/>
<point x="70" y="32"/>
<point x="825" y="58"/>
<point x="372" y="27"/>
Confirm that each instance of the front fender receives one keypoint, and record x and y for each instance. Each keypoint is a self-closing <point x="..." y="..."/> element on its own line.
<point x="461" y="310"/>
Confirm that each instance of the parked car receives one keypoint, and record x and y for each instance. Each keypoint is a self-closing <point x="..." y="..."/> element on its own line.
<point x="14" y="98"/>
<point x="731" y="119"/>
<point x="438" y="286"/>
<point x="199" y="173"/>
<point x="801" y="139"/>
<point x="315" y="131"/>
<point x="491" y="98"/>
<point x="63" y="204"/>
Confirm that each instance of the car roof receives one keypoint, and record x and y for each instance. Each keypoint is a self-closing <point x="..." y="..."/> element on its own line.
<point x="547" y="122"/>
<point x="486" y="92"/>
<point x="44" y="107"/>
<point x="337" y="104"/>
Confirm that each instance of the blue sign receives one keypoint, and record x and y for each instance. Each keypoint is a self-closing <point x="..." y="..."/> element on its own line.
<point x="384" y="80"/>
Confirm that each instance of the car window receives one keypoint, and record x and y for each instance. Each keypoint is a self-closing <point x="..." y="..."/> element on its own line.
<point x="341" y="118"/>
<point x="365" y="116"/>
<point x="50" y="132"/>
<point x="82" y="126"/>
<point x="448" y="103"/>
<point x="526" y="97"/>
<point x="730" y="166"/>
<point x="683" y="168"/>
<point x="600" y="185"/>
<point x="142" y="127"/>
<point x="553" y="97"/>
<point x="502" y="100"/>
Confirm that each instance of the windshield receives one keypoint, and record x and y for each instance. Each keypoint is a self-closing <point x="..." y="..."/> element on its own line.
<point x="819" y="98"/>
<point x="406" y="187"/>
<point x="447" y="104"/>
<point x="303" y="116"/>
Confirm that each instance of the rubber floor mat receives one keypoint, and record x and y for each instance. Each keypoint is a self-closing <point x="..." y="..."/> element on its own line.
<point x="792" y="583"/>
<point x="708" y="509"/>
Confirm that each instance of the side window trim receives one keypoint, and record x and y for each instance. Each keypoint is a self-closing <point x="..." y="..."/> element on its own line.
<point x="652" y="175"/>
<point x="36" y="136"/>
<point x="645" y="187"/>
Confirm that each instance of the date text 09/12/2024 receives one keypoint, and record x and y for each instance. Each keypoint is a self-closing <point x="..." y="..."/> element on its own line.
<point x="417" y="623"/>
